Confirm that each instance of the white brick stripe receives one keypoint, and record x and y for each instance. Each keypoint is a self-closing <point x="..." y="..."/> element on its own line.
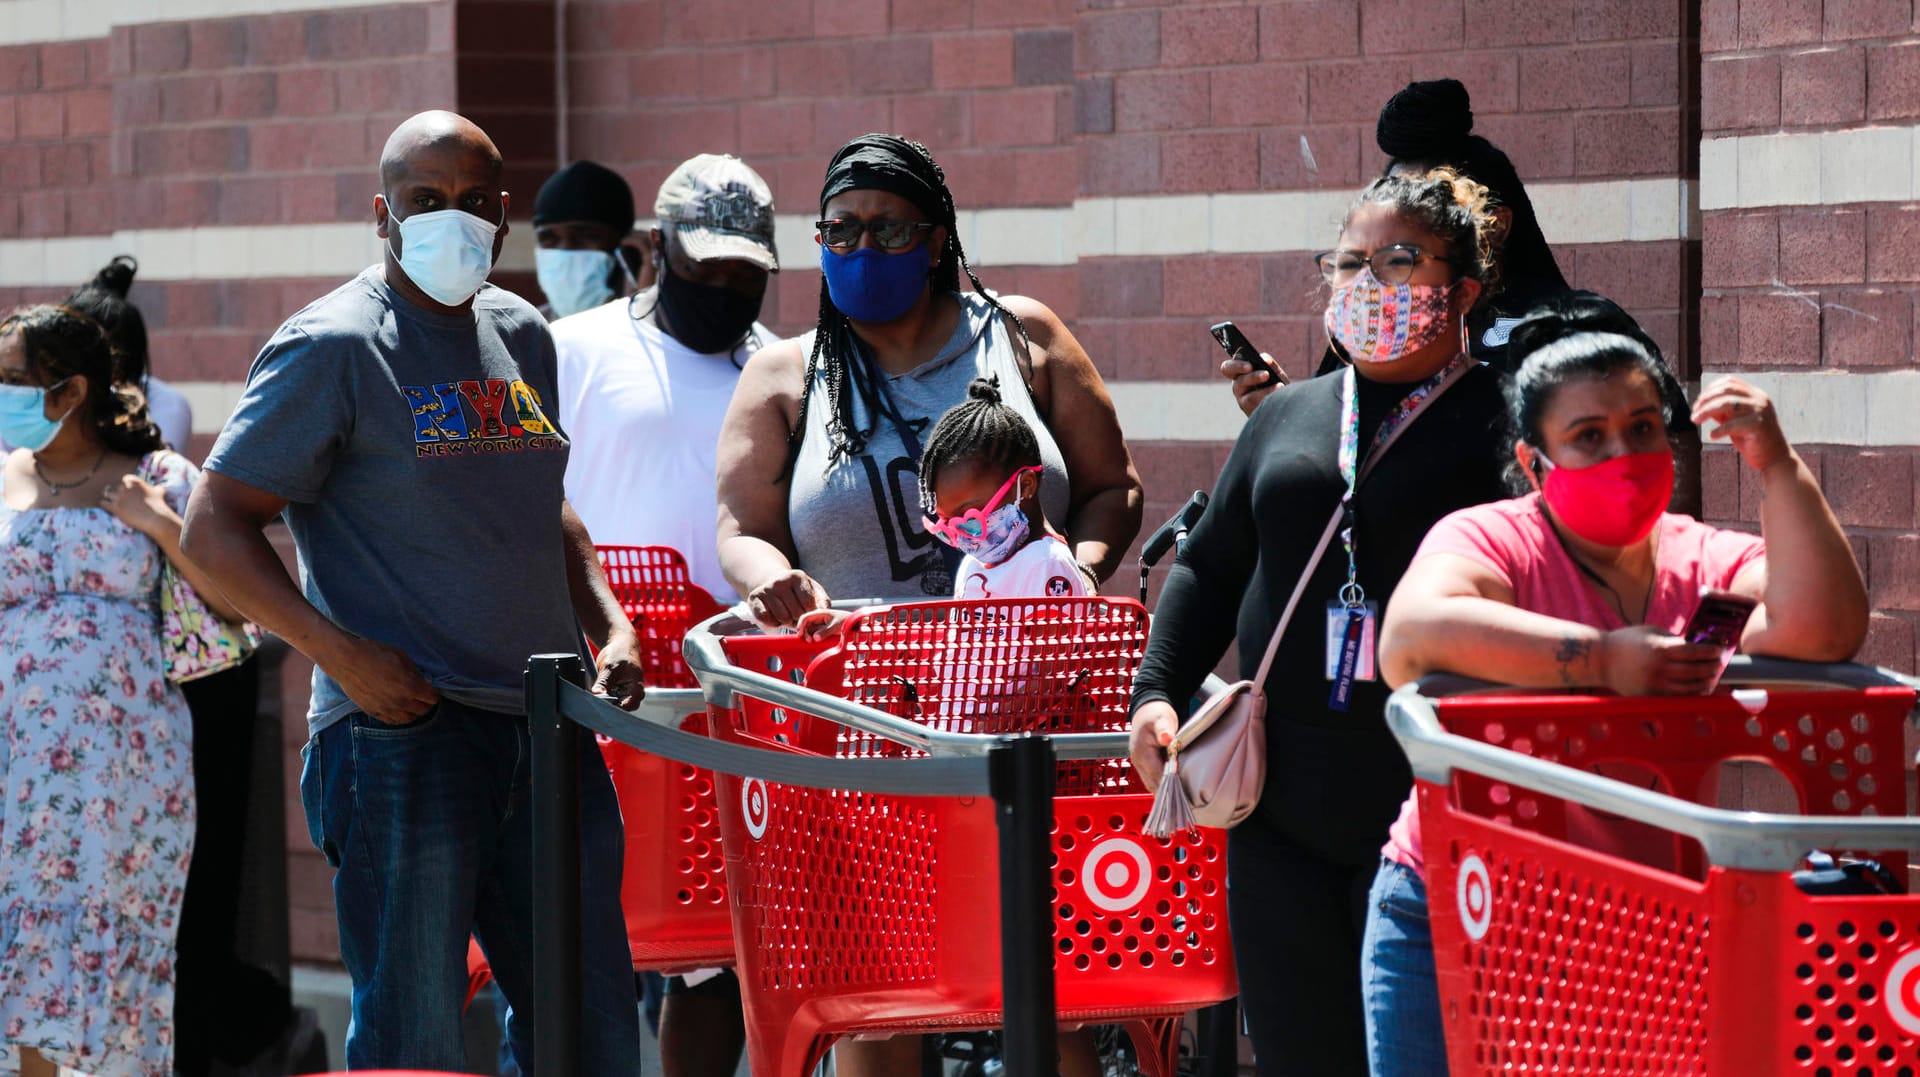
<point x="211" y="401"/>
<point x="1824" y="168"/>
<point x="1836" y="408"/>
<point x="1176" y="410"/>
<point x="1612" y="211"/>
<point x="25" y="22"/>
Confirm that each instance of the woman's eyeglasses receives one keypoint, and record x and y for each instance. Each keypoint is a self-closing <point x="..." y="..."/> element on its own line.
<point x="842" y="234"/>
<point x="1390" y="265"/>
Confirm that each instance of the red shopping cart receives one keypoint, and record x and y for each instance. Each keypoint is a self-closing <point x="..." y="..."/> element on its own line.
<point x="863" y="914"/>
<point x="1555" y="957"/>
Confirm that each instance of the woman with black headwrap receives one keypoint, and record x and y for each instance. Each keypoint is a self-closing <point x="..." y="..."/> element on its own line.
<point x="819" y="454"/>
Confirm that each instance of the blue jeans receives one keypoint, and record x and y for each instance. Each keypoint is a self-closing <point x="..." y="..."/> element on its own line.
<point x="1397" y="980"/>
<point x="430" y="828"/>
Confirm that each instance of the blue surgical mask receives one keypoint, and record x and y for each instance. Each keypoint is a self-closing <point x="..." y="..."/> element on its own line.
<point x="447" y="253"/>
<point x="23" y="417"/>
<point x="870" y="285"/>
<point x="573" y="280"/>
<point x="1002" y="535"/>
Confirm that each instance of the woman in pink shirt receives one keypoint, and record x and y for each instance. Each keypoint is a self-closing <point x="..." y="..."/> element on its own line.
<point x="1585" y="580"/>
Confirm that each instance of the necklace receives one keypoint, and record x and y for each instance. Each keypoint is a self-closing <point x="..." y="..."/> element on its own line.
<point x="1619" y="600"/>
<point x="59" y="488"/>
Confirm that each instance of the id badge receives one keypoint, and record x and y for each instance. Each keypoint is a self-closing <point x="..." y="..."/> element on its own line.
<point x="1338" y="614"/>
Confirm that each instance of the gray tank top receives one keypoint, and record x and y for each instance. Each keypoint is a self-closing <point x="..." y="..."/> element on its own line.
<point x="856" y="525"/>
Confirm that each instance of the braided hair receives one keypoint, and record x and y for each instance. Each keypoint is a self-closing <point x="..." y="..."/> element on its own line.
<point x="907" y="168"/>
<point x="984" y="430"/>
<point x="61" y="342"/>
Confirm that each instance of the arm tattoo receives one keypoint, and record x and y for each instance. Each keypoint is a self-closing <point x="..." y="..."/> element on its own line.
<point x="1570" y="652"/>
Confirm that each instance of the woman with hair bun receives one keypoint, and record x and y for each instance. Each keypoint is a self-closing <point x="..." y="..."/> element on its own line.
<point x="96" y="786"/>
<point x="104" y="299"/>
<point x="1585" y="580"/>
<point x="1406" y="435"/>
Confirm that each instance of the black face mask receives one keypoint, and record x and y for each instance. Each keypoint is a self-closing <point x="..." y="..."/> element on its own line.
<point x="705" y="317"/>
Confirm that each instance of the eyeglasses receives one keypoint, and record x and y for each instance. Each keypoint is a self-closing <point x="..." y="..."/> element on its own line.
<point x="1390" y="265"/>
<point x="973" y="522"/>
<point x="842" y="234"/>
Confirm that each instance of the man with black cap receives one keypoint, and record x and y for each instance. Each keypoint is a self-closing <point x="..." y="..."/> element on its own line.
<point x="581" y="220"/>
<point x="643" y="387"/>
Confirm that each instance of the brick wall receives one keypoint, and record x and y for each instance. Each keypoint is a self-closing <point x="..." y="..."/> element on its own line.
<point x="1807" y="273"/>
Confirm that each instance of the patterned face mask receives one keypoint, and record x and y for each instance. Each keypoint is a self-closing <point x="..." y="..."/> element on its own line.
<point x="1379" y="323"/>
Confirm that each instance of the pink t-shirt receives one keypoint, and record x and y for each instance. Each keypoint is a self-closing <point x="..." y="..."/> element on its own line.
<point x="1515" y="541"/>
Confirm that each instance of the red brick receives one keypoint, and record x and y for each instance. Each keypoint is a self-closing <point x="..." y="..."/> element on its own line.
<point x="839" y="120"/>
<point x="1576" y="78"/>
<point x="42" y="116"/>
<point x="1827" y="86"/>
<point x="406" y="29"/>
<point x="1210" y="283"/>
<point x="189" y="99"/>
<point x="1211" y="161"/>
<point x="67" y="165"/>
<point x="945" y="120"/>
<point x="628" y="27"/>
<point x="217" y="149"/>
<point x="1016" y="117"/>
<point x="1894" y="582"/>
<point x="338" y="35"/>
<point x="160" y="47"/>
<point x="1638" y="276"/>
<point x="1893" y="234"/>
<point x="1869" y="489"/>
<point x="1890" y="643"/>
<point x="806" y="69"/>
<point x="1119" y="164"/>
<point x="914" y="16"/>
<point x="743" y="73"/>
<point x="1623" y="20"/>
<point x="249" y="200"/>
<point x="1388" y="26"/>
<point x="1497" y="24"/>
<point x="1640" y="143"/>
<point x="43" y="213"/>
<point x="1168" y="349"/>
<point x="1259" y="96"/>
<point x="1120" y="287"/>
<point x="1867" y="329"/>
<point x="1739" y="249"/>
<point x="1041" y="177"/>
<point x="19" y="68"/>
<point x="10" y="123"/>
<point x="20" y="166"/>
<point x="63" y="65"/>
<point x="1720" y="25"/>
<point x="1771" y="23"/>
<point x="305" y="91"/>
<point x="1353" y="91"/>
<point x="1022" y="12"/>
<point x="596" y="80"/>
<point x="1893" y="82"/>
<point x="1159" y="101"/>
<point x="1116" y="41"/>
<point x="1043" y="57"/>
<point x="1203" y="37"/>
<point x="338" y="143"/>
<point x="1823" y="247"/>
<point x="1740" y="92"/>
<point x="9" y="226"/>
<point x="668" y="76"/>
<point x="1656" y="75"/>
<point x="89" y="113"/>
<point x="1541" y="147"/>
<point x="1309" y="29"/>
<point x="1493" y="78"/>
<point x="1779" y="331"/>
<point x="213" y="44"/>
<point x="1720" y="484"/>
<point x="1290" y="285"/>
<point x="773" y="127"/>
<point x="1331" y="157"/>
<point x="309" y="198"/>
<point x="965" y="61"/>
<point x="1846" y="20"/>
<point x="275" y="40"/>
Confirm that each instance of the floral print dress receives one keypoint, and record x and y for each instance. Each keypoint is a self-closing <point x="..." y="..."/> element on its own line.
<point x="96" y="820"/>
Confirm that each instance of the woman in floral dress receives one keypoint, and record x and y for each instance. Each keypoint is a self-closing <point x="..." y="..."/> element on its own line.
<point x="96" y="786"/>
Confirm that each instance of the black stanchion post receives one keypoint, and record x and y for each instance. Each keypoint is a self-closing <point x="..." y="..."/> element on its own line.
<point x="1022" y="774"/>
<point x="556" y="998"/>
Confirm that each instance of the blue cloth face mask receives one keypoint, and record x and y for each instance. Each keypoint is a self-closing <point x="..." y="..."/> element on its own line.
<point x="447" y="253"/>
<point x="573" y="280"/>
<point x="23" y="417"/>
<point x="870" y="285"/>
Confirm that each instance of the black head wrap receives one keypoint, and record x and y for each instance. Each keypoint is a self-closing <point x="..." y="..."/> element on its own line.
<point x="893" y="164"/>
<point x="1431" y="123"/>
<point x="585" y="191"/>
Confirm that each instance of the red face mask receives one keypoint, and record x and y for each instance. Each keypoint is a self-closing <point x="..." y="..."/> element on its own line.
<point x="1615" y="502"/>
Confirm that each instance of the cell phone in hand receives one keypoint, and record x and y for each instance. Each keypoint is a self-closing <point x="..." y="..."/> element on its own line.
<point x="1719" y="619"/>
<point x="1237" y="346"/>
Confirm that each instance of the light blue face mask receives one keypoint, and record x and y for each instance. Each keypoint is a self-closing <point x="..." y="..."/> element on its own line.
<point x="23" y="417"/>
<point x="573" y="280"/>
<point x="447" y="253"/>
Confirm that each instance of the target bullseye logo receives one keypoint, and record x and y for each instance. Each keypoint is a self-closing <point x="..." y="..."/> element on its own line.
<point x="1116" y="874"/>
<point x="1475" y="893"/>
<point x="755" y="807"/>
<point x="1903" y="992"/>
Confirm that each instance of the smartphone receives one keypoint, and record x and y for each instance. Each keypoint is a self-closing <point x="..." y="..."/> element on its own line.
<point x="1719" y="619"/>
<point x="1236" y="344"/>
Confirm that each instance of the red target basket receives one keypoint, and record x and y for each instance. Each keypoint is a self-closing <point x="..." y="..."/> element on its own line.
<point x="1695" y="952"/>
<point x="867" y="914"/>
<point x="673" y="885"/>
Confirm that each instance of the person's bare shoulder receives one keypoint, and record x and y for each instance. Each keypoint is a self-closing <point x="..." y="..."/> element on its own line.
<point x="774" y="374"/>
<point x="1043" y="325"/>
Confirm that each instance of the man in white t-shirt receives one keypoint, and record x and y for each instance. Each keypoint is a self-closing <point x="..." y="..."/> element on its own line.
<point x="643" y="385"/>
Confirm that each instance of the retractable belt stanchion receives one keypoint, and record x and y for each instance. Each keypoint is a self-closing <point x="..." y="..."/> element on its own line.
<point x="556" y="865"/>
<point x="1022" y="770"/>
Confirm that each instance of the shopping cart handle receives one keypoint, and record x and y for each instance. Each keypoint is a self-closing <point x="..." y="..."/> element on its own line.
<point x="1733" y="839"/>
<point x="1742" y="670"/>
<point x="720" y="679"/>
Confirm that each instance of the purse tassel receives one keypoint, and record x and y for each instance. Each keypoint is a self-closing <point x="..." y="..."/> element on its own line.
<point x="1171" y="813"/>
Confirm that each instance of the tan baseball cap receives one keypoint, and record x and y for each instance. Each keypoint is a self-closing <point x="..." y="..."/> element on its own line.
<point x="719" y="208"/>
